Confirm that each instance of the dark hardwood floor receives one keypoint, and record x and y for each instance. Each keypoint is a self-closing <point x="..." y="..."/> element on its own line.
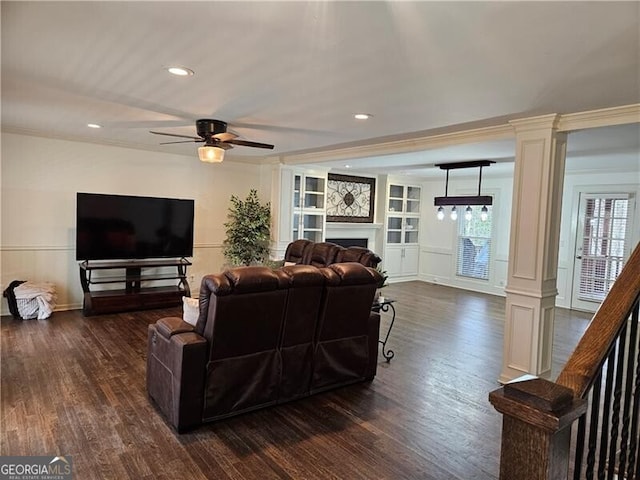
<point x="76" y="386"/>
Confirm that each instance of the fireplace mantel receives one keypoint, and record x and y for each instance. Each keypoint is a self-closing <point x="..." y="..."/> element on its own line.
<point x="354" y="230"/>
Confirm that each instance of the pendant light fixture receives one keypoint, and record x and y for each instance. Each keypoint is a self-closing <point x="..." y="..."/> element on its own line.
<point x="467" y="200"/>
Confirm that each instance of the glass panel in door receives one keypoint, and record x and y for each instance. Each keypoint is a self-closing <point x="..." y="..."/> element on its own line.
<point x="601" y="247"/>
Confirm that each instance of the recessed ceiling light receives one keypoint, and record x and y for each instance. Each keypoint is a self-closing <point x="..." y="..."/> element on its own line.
<point x="347" y="166"/>
<point x="180" y="71"/>
<point x="93" y="125"/>
<point x="362" y="116"/>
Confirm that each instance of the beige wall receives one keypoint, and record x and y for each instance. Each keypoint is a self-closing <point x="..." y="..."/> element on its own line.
<point x="40" y="178"/>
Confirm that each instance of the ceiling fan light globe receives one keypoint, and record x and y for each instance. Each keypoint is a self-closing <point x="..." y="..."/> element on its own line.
<point x="211" y="154"/>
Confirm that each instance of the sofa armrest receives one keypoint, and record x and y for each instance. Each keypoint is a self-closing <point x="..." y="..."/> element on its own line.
<point x="169" y="326"/>
<point x="176" y="368"/>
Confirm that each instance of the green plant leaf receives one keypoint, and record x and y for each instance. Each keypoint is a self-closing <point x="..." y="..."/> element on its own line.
<point x="248" y="230"/>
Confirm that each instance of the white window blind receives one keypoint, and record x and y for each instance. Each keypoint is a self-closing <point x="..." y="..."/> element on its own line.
<point x="603" y="245"/>
<point x="474" y="244"/>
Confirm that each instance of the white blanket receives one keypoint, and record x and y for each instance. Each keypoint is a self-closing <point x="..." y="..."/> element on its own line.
<point x="35" y="299"/>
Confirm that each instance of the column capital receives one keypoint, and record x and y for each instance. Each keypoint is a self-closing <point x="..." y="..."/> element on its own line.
<point x="541" y="122"/>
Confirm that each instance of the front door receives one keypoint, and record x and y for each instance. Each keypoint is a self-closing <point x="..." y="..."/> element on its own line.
<point x="601" y="246"/>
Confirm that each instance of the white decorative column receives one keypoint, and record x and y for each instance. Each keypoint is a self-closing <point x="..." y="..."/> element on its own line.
<point x="533" y="247"/>
<point x="281" y="210"/>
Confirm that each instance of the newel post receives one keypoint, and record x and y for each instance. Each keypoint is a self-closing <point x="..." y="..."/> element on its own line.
<point x="536" y="429"/>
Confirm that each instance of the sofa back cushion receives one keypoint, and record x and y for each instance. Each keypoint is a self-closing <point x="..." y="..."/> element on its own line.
<point x="358" y="254"/>
<point x="303" y="303"/>
<point x="322" y="254"/>
<point x="299" y="327"/>
<point x="297" y="251"/>
<point x="246" y="309"/>
<point x="342" y="351"/>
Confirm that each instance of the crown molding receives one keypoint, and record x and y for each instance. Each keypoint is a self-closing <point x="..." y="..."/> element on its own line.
<point x="604" y="117"/>
<point x="477" y="135"/>
<point x="562" y="122"/>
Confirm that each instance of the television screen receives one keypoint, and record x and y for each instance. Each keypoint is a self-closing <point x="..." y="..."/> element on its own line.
<point x="110" y="227"/>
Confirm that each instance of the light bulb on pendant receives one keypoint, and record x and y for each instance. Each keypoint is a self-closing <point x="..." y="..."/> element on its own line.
<point x="454" y="213"/>
<point x="440" y="213"/>
<point x="468" y="213"/>
<point x="484" y="213"/>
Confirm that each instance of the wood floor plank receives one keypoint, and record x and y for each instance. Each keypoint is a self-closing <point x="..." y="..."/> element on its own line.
<point x="76" y="386"/>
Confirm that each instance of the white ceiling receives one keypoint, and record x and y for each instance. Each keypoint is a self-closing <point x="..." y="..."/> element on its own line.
<point x="294" y="73"/>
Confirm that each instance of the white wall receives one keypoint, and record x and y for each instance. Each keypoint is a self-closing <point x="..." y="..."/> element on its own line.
<point x="588" y="182"/>
<point x="438" y="243"/>
<point x="40" y="178"/>
<point x="438" y="254"/>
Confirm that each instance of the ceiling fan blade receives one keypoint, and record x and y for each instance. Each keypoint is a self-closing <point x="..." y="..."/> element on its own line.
<point x="225" y="136"/>
<point x="175" y="135"/>
<point x="182" y="141"/>
<point x="250" y="144"/>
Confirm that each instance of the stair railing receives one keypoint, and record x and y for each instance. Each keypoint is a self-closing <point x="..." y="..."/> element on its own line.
<point x="599" y="386"/>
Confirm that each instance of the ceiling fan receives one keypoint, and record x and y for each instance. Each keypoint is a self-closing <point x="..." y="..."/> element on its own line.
<point x="216" y="139"/>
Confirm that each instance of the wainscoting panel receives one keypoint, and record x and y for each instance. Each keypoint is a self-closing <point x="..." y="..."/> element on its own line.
<point x="57" y="264"/>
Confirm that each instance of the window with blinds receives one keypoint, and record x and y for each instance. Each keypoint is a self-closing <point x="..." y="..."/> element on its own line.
<point x="603" y="245"/>
<point x="474" y="244"/>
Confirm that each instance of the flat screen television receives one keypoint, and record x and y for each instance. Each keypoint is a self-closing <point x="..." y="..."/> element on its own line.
<point x="110" y="227"/>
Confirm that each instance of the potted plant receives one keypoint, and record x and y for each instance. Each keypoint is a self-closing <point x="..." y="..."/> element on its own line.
<point x="248" y="231"/>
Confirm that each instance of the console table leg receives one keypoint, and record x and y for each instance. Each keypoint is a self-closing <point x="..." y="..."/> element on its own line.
<point x="388" y="355"/>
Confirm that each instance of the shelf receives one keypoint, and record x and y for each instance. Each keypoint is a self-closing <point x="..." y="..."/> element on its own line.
<point x="133" y="296"/>
<point x="113" y="264"/>
<point x="309" y="207"/>
<point x="124" y="293"/>
<point x="133" y="278"/>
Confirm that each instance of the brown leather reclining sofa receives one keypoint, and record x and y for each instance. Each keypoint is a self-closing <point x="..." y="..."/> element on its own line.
<point x="323" y="254"/>
<point x="264" y="337"/>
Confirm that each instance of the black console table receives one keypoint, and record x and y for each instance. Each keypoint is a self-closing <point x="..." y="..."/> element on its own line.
<point x="133" y="296"/>
<point x="384" y="306"/>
